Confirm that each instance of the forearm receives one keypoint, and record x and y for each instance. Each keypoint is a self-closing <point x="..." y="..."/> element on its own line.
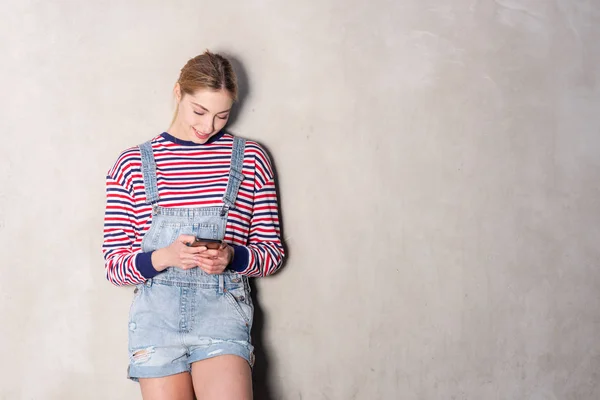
<point x="258" y="259"/>
<point x="121" y="270"/>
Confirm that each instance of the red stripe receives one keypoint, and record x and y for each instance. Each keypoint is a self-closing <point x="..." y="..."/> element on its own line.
<point x="127" y="233"/>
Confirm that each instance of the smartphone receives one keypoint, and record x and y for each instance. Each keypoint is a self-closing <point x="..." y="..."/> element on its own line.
<point x="213" y="244"/>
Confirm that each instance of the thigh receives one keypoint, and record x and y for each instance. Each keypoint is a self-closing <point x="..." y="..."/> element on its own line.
<point x="173" y="387"/>
<point x="155" y="348"/>
<point x="225" y="377"/>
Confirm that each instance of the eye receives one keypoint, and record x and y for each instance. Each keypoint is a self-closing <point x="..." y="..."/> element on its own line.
<point x="224" y="117"/>
<point x="197" y="113"/>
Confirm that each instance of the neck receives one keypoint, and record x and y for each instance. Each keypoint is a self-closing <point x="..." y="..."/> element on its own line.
<point x="176" y="131"/>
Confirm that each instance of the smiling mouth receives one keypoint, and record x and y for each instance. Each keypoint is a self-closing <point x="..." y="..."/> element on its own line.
<point x="201" y="135"/>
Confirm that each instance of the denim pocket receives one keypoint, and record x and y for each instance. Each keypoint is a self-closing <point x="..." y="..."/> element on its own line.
<point x="160" y="235"/>
<point x="239" y="299"/>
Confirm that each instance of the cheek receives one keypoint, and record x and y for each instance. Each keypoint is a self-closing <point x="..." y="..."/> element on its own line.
<point x="186" y="116"/>
<point x="220" y="123"/>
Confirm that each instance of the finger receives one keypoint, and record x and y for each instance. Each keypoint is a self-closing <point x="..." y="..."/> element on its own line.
<point x="207" y="269"/>
<point x="211" y="265"/>
<point x="214" y="254"/>
<point x="193" y="250"/>
<point x="184" y="255"/>
<point x="222" y="252"/>
<point x="189" y="260"/>
<point x="185" y="239"/>
<point x="189" y="263"/>
<point x="219" y="263"/>
<point x="208" y="262"/>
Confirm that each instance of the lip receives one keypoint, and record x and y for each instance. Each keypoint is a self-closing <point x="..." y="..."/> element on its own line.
<point x="201" y="136"/>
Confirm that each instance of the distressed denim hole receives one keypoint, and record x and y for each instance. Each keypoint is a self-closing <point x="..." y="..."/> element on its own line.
<point x="142" y="355"/>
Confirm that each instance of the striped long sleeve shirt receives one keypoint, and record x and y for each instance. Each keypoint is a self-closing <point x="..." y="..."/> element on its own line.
<point x="191" y="175"/>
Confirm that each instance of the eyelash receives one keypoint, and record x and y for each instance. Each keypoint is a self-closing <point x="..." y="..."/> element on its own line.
<point x="225" y="117"/>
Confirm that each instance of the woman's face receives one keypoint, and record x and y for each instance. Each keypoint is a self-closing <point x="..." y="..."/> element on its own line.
<point x="201" y="115"/>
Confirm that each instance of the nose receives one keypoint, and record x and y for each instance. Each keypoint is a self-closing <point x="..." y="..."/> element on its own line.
<point x="206" y="127"/>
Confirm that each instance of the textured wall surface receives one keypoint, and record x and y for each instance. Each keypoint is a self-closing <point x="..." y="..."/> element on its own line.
<point x="439" y="169"/>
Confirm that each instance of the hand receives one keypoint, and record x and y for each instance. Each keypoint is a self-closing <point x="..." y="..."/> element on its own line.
<point x="215" y="261"/>
<point x="178" y="254"/>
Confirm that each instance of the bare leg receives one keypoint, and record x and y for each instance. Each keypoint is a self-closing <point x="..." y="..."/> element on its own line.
<point x="173" y="387"/>
<point x="225" y="377"/>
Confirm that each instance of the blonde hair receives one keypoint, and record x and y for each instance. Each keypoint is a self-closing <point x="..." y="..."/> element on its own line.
<point x="207" y="71"/>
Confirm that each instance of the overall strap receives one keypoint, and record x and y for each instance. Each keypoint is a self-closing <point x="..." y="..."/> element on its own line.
<point x="149" y="173"/>
<point x="235" y="174"/>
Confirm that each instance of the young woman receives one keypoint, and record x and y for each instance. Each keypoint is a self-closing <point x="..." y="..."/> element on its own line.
<point x="190" y="320"/>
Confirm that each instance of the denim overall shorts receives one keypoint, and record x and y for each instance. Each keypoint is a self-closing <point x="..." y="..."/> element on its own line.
<point x="183" y="316"/>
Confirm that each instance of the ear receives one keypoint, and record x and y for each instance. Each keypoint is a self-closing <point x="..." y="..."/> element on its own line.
<point x="177" y="92"/>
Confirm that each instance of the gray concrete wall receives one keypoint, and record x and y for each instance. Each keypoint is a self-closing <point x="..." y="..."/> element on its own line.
<point x="438" y="162"/>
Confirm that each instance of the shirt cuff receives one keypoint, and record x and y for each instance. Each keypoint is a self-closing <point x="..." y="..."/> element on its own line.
<point x="240" y="258"/>
<point x="143" y="263"/>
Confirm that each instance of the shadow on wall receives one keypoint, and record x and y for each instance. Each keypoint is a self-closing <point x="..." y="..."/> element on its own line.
<point x="263" y="388"/>
<point x="243" y="86"/>
<point x="261" y="381"/>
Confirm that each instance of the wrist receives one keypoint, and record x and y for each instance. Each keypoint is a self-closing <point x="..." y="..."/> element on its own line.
<point x="160" y="259"/>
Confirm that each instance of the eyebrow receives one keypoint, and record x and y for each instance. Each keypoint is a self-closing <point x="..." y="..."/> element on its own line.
<point x="204" y="108"/>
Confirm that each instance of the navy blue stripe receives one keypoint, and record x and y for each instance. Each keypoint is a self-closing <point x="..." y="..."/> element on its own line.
<point x="171" y="138"/>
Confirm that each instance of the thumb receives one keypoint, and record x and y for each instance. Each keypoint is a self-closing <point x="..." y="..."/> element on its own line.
<point x="186" y="239"/>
